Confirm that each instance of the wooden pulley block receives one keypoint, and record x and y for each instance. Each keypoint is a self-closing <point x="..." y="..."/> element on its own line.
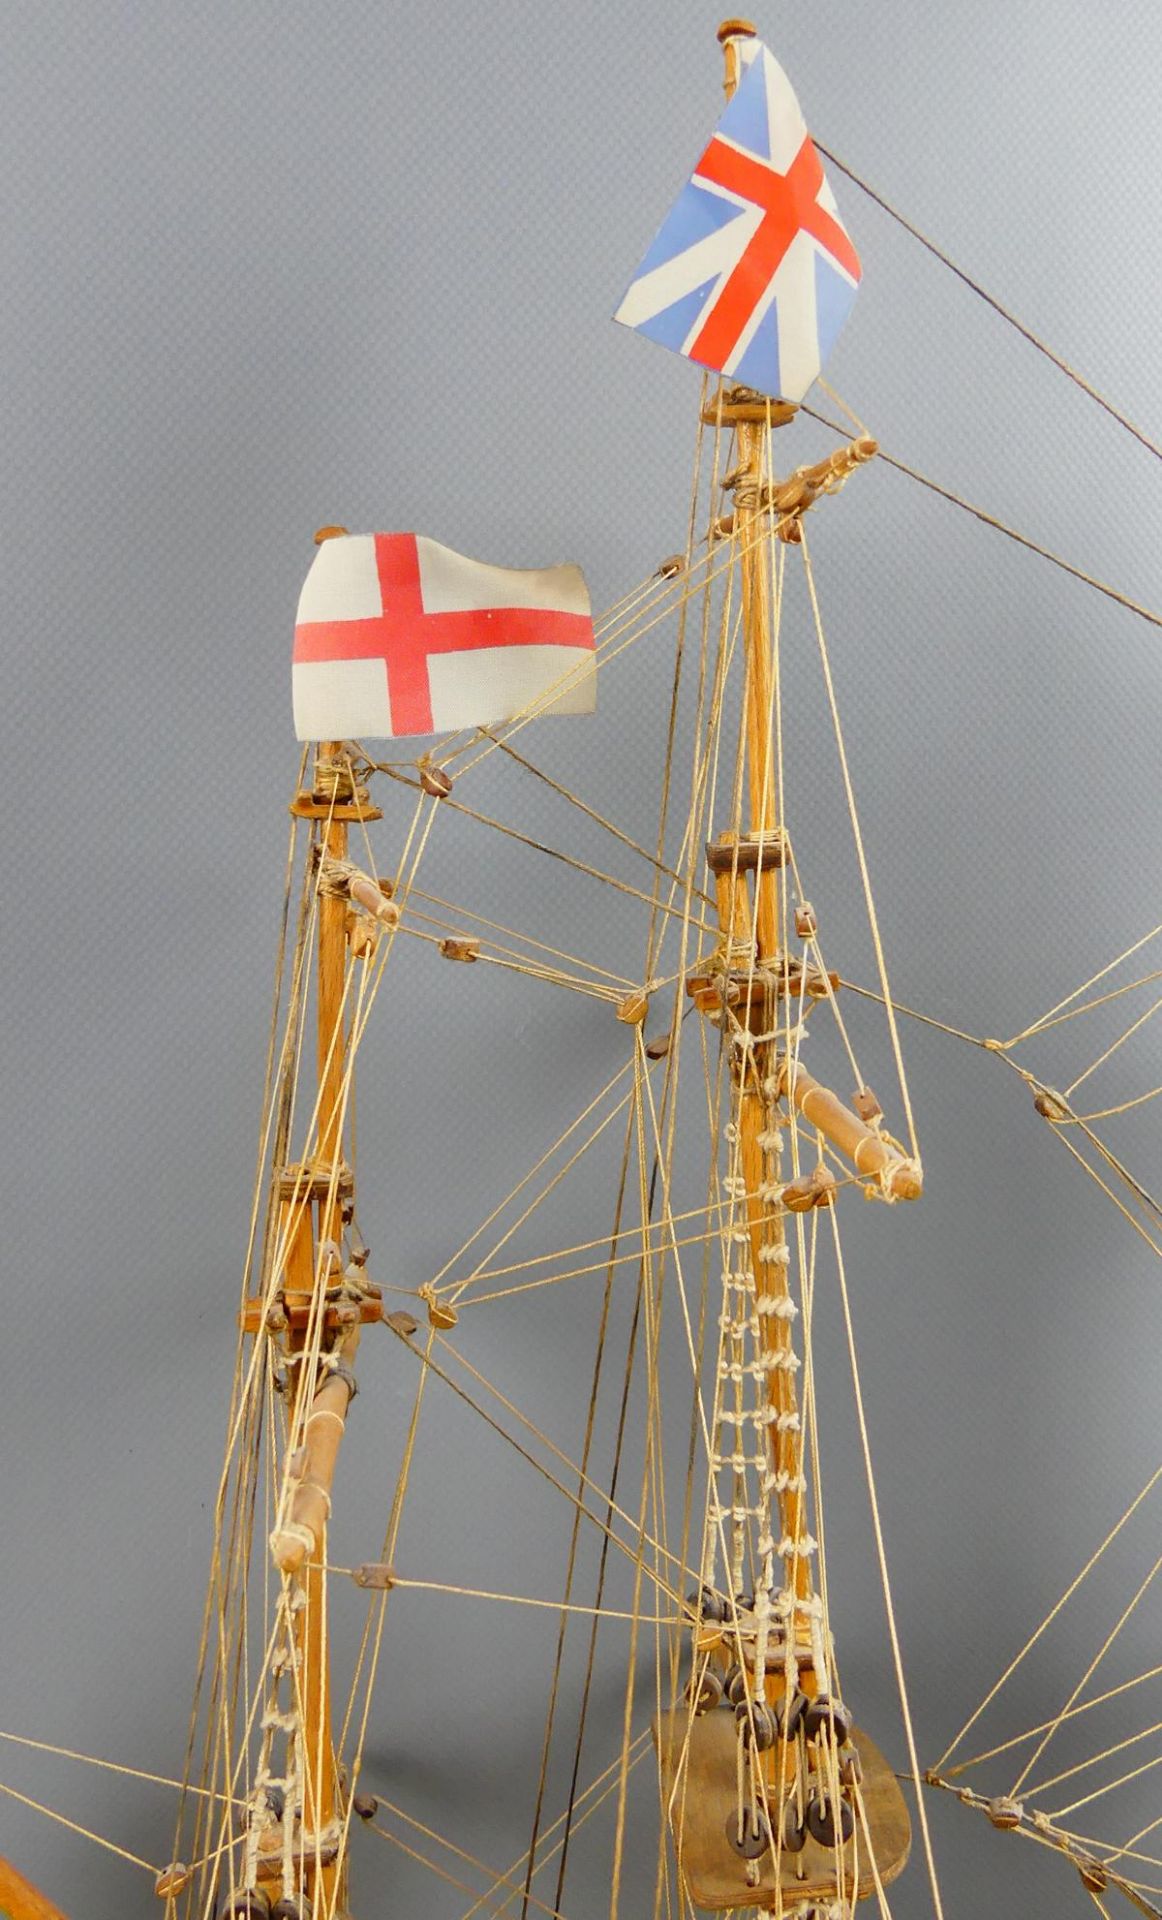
<point x="633" y="1008"/>
<point x="749" y="1833"/>
<point x="462" y="947"/>
<point x="362" y="935"/>
<point x="735" y="1684"/>
<point x="825" y="1713"/>
<point x="806" y="925"/>
<point x="756" y="1724"/>
<point x="444" y="1317"/>
<point x="365" y="1805"/>
<point x="1050" y="1106"/>
<point x="705" y="1604"/>
<point x="705" y="1693"/>
<point x="850" y="1768"/>
<point x="794" y="1829"/>
<point x="789" y="1714"/>
<point x="658" y="1047"/>
<point x="251" y="1905"/>
<point x="375" y="1576"/>
<point x="674" y="564"/>
<point x="814" y="1189"/>
<point x="829" y="1821"/>
<point x="867" y="1106"/>
<point x="174" y="1880"/>
<point x="1094" y="1877"/>
<point x="402" y="1322"/>
<point x="1005" y="1813"/>
<point x="434" y="780"/>
<point x="699" y="1774"/>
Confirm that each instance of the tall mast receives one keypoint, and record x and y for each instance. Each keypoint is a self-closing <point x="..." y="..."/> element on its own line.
<point x="315" y="1206"/>
<point x="765" y="1799"/>
<point x="762" y="850"/>
<point x="332" y="1398"/>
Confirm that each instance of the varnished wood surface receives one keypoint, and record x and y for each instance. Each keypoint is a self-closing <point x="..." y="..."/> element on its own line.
<point x="20" y="1900"/>
<point x="699" y="1791"/>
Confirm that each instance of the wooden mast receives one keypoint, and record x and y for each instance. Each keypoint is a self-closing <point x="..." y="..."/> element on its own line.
<point x="787" y="1733"/>
<point x="320" y="1787"/>
<point x="315" y="1202"/>
<point x="765" y="841"/>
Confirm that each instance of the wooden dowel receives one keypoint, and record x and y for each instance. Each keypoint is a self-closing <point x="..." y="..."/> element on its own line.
<point x="845" y="1130"/>
<point x="311" y="1502"/>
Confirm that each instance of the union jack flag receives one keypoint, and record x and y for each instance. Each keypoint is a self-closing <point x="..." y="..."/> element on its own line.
<point x="752" y="272"/>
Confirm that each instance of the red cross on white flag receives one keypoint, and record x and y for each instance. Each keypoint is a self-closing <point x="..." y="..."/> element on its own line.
<point x="397" y="634"/>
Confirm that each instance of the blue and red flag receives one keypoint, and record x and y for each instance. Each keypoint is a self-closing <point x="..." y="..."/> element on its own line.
<point x="752" y="272"/>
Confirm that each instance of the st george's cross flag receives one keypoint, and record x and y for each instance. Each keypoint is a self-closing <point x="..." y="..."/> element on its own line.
<point x="397" y="634"/>
<point x="752" y="272"/>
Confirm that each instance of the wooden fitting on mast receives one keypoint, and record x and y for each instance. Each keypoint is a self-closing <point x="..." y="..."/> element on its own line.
<point x="806" y="924"/>
<point x="745" y="406"/>
<point x="301" y="1534"/>
<point x="869" y="1153"/>
<point x="814" y="1189"/>
<point x="729" y="33"/>
<point x="748" y="852"/>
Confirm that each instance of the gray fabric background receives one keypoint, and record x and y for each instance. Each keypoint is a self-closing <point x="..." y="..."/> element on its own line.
<point x="266" y="266"/>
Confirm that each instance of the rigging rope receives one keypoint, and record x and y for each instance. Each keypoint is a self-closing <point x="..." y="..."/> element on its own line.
<point x="1001" y="526"/>
<point x="991" y="300"/>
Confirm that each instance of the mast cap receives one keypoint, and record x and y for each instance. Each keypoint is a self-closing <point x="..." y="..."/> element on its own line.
<point x="736" y="30"/>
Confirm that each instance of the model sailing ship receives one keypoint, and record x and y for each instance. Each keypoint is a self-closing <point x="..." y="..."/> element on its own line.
<point x="773" y="1796"/>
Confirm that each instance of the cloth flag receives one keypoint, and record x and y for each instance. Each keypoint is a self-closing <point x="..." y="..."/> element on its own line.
<point x="752" y="272"/>
<point x="397" y="634"/>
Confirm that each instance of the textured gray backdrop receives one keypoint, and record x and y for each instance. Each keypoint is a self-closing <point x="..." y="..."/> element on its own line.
<point x="268" y="265"/>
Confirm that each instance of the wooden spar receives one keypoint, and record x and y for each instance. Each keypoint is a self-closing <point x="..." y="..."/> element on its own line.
<point x="20" y="1900"/>
<point x="303" y="1534"/>
<point x="866" y="1149"/>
